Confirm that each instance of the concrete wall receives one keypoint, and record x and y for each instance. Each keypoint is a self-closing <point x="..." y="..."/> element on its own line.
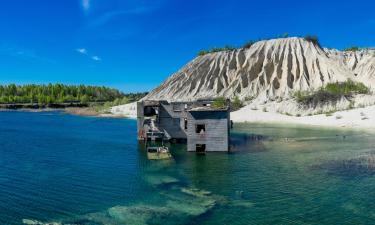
<point x="140" y="120"/>
<point x="216" y="136"/>
<point x="171" y="121"/>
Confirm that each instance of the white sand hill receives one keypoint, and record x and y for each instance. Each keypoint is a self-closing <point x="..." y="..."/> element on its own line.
<point x="268" y="73"/>
<point x="268" y="69"/>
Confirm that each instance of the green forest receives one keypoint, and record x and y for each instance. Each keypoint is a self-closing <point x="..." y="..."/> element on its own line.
<point x="60" y="93"/>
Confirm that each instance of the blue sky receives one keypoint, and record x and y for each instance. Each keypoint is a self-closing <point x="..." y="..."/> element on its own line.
<point x="133" y="45"/>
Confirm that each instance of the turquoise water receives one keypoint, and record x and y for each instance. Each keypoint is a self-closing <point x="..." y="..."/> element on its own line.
<point x="62" y="168"/>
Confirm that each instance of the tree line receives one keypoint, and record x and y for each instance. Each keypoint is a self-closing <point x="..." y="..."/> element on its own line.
<point x="60" y="93"/>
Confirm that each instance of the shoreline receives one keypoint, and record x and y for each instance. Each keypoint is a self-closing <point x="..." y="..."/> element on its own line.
<point x="358" y="118"/>
<point x="354" y="119"/>
<point x="87" y="111"/>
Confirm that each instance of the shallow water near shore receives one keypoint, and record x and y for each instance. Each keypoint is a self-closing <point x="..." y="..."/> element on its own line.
<point x="62" y="168"/>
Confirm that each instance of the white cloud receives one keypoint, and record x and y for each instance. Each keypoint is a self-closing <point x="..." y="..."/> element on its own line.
<point x="82" y="51"/>
<point x="85" y="52"/>
<point x="96" y="58"/>
<point x="86" y="4"/>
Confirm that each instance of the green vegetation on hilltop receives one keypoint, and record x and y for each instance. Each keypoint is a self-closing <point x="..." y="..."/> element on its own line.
<point x="249" y="44"/>
<point x="60" y="93"/>
<point x="352" y="49"/>
<point x="332" y="92"/>
<point x="310" y="38"/>
<point x="252" y="42"/>
<point x="226" y="48"/>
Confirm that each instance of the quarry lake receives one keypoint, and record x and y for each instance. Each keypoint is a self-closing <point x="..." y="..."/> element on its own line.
<point x="61" y="168"/>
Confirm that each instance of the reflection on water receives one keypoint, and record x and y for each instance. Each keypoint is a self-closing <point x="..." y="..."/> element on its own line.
<point x="244" y="142"/>
<point x="358" y="166"/>
<point x="77" y="170"/>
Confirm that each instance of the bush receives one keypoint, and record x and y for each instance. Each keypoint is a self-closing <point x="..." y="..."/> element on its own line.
<point x="347" y="88"/>
<point x="332" y="92"/>
<point x="352" y="49"/>
<point x="249" y="98"/>
<point x="319" y="97"/>
<point x="219" y="103"/>
<point x="313" y="39"/>
<point x="248" y="44"/>
<point x="285" y="35"/>
<point x="236" y="104"/>
<point x="213" y="50"/>
<point x="328" y="114"/>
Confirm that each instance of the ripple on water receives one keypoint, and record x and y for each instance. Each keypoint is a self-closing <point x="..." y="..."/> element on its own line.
<point x="180" y="206"/>
<point x="358" y="166"/>
<point x="176" y="204"/>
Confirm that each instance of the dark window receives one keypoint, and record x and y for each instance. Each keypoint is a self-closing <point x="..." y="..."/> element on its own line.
<point x="185" y="124"/>
<point x="200" y="128"/>
<point x="200" y="148"/>
<point x="149" y="111"/>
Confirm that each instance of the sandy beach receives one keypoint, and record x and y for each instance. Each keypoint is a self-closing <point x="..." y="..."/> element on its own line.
<point x="354" y="118"/>
<point x="128" y="110"/>
<point x="359" y="118"/>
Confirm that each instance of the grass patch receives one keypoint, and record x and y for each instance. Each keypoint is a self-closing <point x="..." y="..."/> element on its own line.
<point x="352" y="49"/>
<point x="213" y="50"/>
<point x="249" y="98"/>
<point x="106" y="106"/>
<point x="310" y="38"/>
<point x="236" y="104"/>
<point x="328" y="114"/>
<point x="219" y="103"/>
<point x="331" y="93"/>
<point x="348" y="87"/>
<point x="223" y="103"/>
<point x="249" y="44"/>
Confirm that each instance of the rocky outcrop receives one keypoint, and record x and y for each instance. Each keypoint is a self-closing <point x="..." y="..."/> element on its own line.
<point x="268" y="69"/>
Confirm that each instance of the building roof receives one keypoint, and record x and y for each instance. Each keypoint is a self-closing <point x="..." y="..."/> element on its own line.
<point x="207" y="108"/>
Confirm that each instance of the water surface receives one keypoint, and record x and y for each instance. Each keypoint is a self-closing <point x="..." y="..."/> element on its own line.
<point x="62" y="168"/>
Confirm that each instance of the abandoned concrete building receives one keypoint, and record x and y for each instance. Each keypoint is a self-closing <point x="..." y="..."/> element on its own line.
<point x="203" y="127"/>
